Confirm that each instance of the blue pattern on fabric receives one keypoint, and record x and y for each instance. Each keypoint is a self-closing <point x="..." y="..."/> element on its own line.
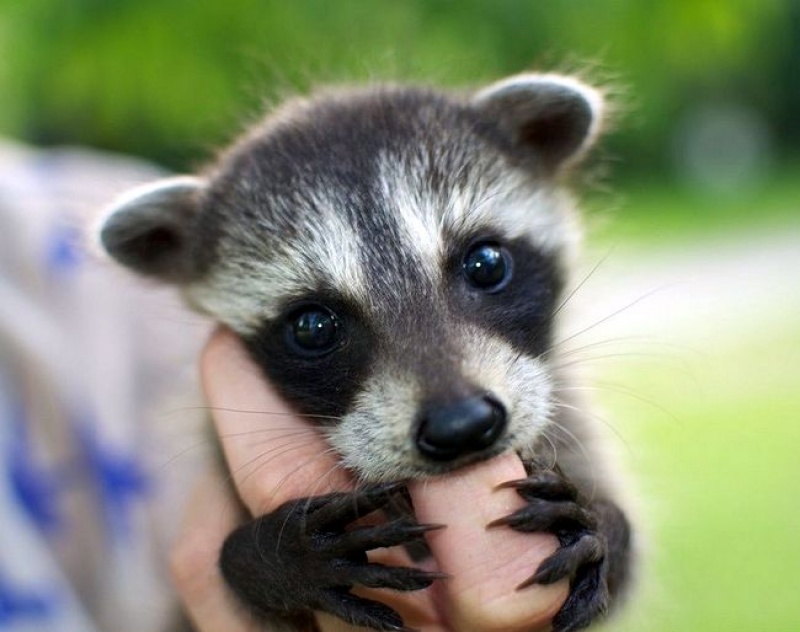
<point x="19" y="604"/>
<point x="35" y="488"/>
<point x="63" y="252"/>
<point x="120" y="479"/>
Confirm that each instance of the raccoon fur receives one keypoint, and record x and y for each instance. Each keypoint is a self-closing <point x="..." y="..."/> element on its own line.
<point x="395" y="259"/>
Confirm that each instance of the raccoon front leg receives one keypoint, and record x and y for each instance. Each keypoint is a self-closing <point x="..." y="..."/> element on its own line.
<point x="594" y="552"/>
<point x="302" y="557"/>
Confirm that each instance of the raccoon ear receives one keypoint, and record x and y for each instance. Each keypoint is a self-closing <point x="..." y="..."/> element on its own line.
<point x="149" y="229"/>
<point x="552" y="118"/>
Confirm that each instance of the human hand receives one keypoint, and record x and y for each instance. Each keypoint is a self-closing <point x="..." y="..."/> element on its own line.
<point x="274" y="456"/>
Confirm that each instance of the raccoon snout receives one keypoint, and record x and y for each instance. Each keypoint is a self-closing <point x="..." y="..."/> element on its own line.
<point x="446" y="432"/>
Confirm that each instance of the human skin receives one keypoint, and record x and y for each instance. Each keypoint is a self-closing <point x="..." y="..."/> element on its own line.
<point x="274" y="455"/>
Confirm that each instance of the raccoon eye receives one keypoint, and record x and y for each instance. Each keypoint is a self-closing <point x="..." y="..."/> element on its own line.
<point x="487" y="266"/>
<point x="313" y="330"/>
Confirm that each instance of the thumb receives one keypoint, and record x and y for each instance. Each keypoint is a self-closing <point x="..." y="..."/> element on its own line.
<point x="486" y="565"/>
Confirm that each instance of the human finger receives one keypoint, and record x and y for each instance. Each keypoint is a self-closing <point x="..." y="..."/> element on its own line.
<point x="486" y="565"/>
<point x="272" y="453"/>
<point x="211" y="515"/>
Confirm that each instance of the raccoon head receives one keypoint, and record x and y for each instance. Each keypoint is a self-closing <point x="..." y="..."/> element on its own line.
<point x="392" y="258"/>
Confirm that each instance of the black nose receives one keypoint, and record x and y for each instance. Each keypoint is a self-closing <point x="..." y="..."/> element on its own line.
<point x="453" y="430"/>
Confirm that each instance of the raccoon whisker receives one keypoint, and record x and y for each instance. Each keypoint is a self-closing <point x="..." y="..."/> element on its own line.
<point x="260" y="461"/>
<point x="564" y="431"/>
<point x="603" y="260"/>
<point x="617" y="340"/>
<point x="553" y="447"/>
<point x="287" y="431"/>
<point x="605" y="356"/>
<point x="300" y="466"/>
<point x="571" y="436"/>
<point x="251" y="412"/>
<point x="272" y="454"/>
<point x="291" y="436"/>
<point x="678" y="363"/>
<point x="564" y="302"/>
<point x="307" y="500"/>
<point x="269" y="435"/>
<point x="603" y="420"/>
<point x="530" y="338"/>
<point x="624" y="342"/>
<point x="337" y="465"/>
<point x="613" y="314"/>
<point x="614" y="387"/>
<point x="184" y="451"/>
<point x="308" y="497"/>
<point x="622" y="390"/>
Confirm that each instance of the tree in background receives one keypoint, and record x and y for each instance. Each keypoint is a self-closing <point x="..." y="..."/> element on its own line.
<point x="170" y="80"/>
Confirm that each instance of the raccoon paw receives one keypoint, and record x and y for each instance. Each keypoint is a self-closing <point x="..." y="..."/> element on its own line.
<point x="305" y="556"/>
<point x="553" y="505"/>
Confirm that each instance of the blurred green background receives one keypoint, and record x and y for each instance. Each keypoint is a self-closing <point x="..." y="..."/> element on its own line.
<point x="702" y="179"/>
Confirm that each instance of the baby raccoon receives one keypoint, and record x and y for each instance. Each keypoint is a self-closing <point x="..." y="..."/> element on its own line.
<point x="394" y="259"/>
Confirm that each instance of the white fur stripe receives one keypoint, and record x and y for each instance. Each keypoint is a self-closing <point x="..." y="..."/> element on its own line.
<point x="415" y="211"/>
<point x="247" y="289"/>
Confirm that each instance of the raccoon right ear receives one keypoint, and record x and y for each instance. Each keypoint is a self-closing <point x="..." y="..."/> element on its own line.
<point x="149" y="229"/>
<point x="551" y="118"/>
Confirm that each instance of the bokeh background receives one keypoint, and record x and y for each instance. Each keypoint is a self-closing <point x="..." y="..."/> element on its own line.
<point x="693" y="267"/>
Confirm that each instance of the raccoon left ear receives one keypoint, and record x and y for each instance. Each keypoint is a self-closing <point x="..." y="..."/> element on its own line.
<point x="553" y="118"/>
<point x="150" y="229"/>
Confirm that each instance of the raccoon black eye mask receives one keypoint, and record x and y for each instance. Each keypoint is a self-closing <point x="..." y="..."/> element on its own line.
<point x="394" y="259"/>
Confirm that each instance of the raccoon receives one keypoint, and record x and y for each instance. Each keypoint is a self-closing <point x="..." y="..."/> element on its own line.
<point x="395" y="259"/>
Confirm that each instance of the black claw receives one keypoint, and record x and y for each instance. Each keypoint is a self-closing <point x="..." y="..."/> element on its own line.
<point x="396" y="578"/>
<point x="385" y="535"/>
<point x="546" y="485"/>
<point x="339" y="510"/>
<point x="499" y="522"/>
<point x="306" y="556"/>
<point x="588" y="600"/>
<point x="553" y="569"/>
<point x="359" y="611"/>
<point x="553" y="505"/>
<point x="567" y="560"/>
<point x="546" y="515"/>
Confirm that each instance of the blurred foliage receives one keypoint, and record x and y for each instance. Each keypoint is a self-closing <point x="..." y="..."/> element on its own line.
<point x="170" y="79"/>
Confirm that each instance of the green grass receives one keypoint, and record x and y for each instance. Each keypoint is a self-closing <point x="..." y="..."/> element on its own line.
<point x="720" y="475"/>
<point x="716" y="451"/>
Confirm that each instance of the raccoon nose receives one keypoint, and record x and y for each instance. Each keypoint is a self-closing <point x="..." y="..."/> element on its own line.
<point x="469" y="425"/>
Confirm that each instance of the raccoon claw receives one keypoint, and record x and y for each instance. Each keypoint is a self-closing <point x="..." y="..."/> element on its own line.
<point x="588" y="599"/>
<point x="340" y="509"/>
<point x="381" y="536"/>
<point x="567" y="561"/>
<point x="546" y="485"/>
<point x="547" y="515"/>
<point x="394" y="577"/>
<point x="362" y="612"/>
<point x="306" y="556"/>
<point x="553" y="505"/>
